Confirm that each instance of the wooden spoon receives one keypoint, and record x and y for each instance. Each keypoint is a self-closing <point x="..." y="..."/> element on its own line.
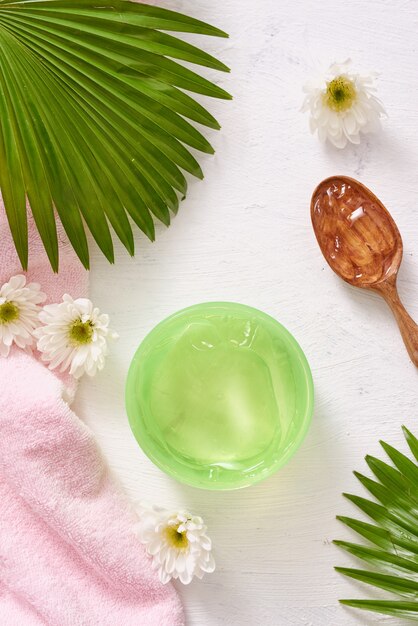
<point x="362" y="244"/>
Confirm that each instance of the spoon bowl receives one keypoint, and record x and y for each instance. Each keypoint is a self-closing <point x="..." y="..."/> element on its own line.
<point x="362" y="244"/>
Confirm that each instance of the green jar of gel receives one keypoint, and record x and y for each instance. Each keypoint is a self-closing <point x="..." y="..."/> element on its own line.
<point x="219" y="395"/>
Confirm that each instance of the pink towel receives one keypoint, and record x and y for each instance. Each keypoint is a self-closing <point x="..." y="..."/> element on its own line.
<point x="68" y="552"/>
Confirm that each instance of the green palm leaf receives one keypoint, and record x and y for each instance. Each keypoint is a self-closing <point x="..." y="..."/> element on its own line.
<point x="392" y="553"/>
<point x="94" y="122"/>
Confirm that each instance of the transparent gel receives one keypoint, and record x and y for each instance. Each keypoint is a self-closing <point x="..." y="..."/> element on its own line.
<point x="219" y="395"/>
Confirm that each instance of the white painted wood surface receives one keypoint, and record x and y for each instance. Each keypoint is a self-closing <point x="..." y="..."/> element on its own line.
<point x="244" y="234"/>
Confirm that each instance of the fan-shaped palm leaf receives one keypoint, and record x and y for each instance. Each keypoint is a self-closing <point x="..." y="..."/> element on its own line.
<point x="93" y="120"/>
<point x="393" y="537"/>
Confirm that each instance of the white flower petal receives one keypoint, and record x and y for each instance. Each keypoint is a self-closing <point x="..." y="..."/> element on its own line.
<point x="173" y="559"/>
<point x="185" y="577"/>
<point x="339" y="141"/>
<point x="341" y="127"/>
<point x="154" y="546"/>
<point x="355" y="138"/>
<point x="209" y="565"/>
<point x="170" y="562"/>
<point x="350" y="124"/>
<point x="60" y="349"/>
<point x="164" y="577"/>
<point x="322" y="134"/>
<point x="4" y="350"/>
<point x="19" y="330"/>
<point x="205" y="542"/>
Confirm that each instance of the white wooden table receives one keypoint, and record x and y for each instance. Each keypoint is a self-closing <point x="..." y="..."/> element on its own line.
<point x="244" y="234"/>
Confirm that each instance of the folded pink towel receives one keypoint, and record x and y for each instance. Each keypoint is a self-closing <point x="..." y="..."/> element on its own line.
<point x="68" y="551"/>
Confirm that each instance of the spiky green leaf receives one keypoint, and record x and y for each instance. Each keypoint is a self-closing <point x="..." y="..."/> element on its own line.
<point x="396" y="608"/>
<point x="93" y="121"/>
<point x="393" y="557"/>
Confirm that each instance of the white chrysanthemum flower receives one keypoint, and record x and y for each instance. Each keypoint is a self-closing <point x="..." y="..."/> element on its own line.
<point x="342" y="105"/>
<point x="74" y="336"/>
<point x="177" y="543"/>
<point x="19" y="308"/>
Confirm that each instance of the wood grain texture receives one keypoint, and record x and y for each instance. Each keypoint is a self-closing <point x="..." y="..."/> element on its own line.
<point x="362" y="244"/>
<point x="244" y="234"/>
<point x="356" y="233"/>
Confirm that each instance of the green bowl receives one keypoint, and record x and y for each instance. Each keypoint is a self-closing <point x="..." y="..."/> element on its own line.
<point x="219" y="395"/>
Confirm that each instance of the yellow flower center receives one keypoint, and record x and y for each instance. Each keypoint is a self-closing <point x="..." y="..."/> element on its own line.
<point x="9" y="312"/>
<point x="81" y="332"/>
<point x="340" y="94"/>
<point x="175" y="538"/>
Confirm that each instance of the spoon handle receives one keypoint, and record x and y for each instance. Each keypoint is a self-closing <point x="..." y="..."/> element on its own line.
<point x="407" y="326"/>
